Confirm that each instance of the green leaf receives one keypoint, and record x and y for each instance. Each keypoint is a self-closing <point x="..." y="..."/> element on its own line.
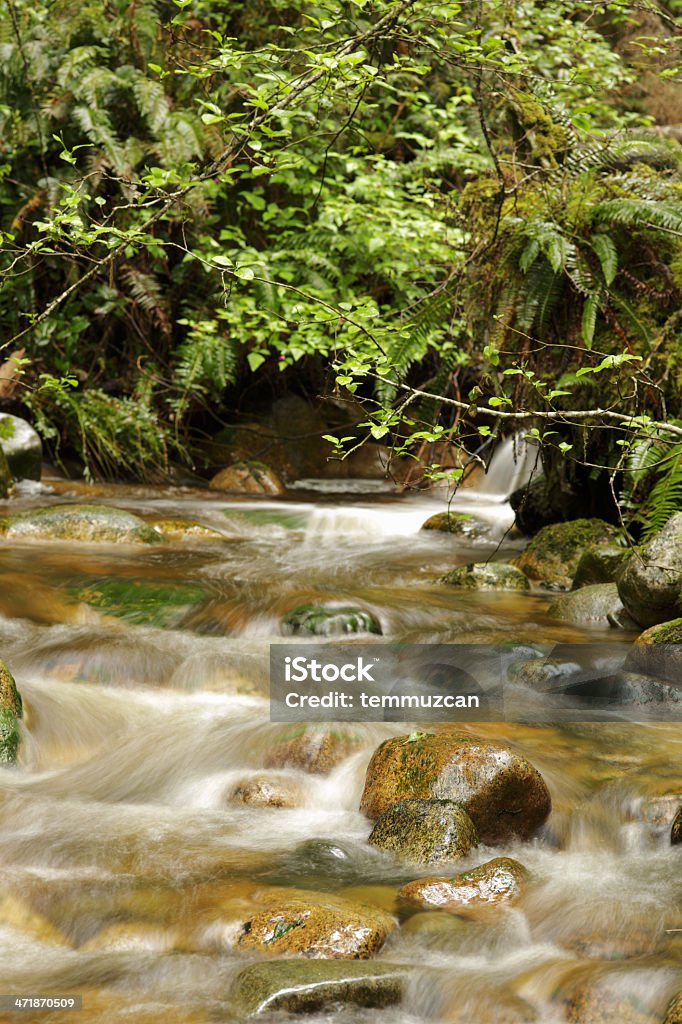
<point x="589" y="318"/>
<point x="255" y="359"/>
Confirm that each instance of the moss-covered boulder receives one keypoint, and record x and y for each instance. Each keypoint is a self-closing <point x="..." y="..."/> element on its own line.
<point x="11" y="710"/>
<point x="317" y="926"/>
<point x="650" y="582"/>
<point x="425" y="831"/>
<point x="498" y="881"/>
<point x="316" y="751"/>
<point x="658" y="652"/>
<point x="141" y="602"/>
<point x="595" y="605"/>
<point x="551" y="557"/>
<point x="309" y="986"/>
<point x="89" y="523"/>
<point x="267" y="791"/>
<point x="186" y="530"/>
<point x="329" y="620"/>
<point x="599" y="564"/>
<point x="461" y="524"/>
<point x="21" y="446"/>
<point x="503" y="794"/>
<point x="247" y="478"/>
<point x="487" y="576"/>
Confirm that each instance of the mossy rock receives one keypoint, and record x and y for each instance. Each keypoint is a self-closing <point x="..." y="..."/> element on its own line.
<point x="6" y="479"/>
<point x="141" y="602"/>
<point x="595" y="605"/>
<point x="657" y="652"/>
<point x="248" y="478"/>
<point x="499" y="881"/>
<point x="317" y="926"/>
<point x="316" y="751"/>
<point x="309" y="986"/>
<point x="650" y="582"/>
<point x="487" y="576"/>
<point x="88" y="523"/>
<point x="461" y="524"/>
<point x="425" y="831"/>
<point x="551" y="558"/>
<point x="21" y="446"/>
<point x="186" y="530"/>
<point x="599" y="564"/>
<point x="503" y="794"/>
<point x="11" y="710"/>
<point x="329" y="620"/>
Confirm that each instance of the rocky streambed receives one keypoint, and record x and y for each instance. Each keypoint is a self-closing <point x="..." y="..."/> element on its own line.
<point x="170" y="854"/>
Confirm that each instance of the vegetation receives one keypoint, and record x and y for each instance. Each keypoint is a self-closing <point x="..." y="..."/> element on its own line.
<point x="466" y="215"/>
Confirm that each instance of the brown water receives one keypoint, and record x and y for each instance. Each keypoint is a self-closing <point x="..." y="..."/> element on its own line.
<point x="124" y="871"/>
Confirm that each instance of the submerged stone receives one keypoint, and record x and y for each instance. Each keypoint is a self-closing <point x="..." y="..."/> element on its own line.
<point x="551" y="557"/>
<point x="317" y="926"/>
<point x="459" y="523"/>
<point x="487" y="576"/>
<point x="247" y="478"/>
<point x="424" y="831"/>
<point x="11" y="710"/>
<point x="89" y="523"/>
<point x="141" y="602"/>
<point x="296" y="986"/>
<point x="22" y="447"/>
<point x="498" y="881"/>
<point x="267" y="791"/>
<point x="503" y="794"/>
<point x="328" y="620"/>
<point x="186" y="530"/>
<point x="317" y="751"/>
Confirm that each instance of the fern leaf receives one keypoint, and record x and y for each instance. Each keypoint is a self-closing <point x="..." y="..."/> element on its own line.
<point x="589" y="318"/>
<point x="607" y="254"/>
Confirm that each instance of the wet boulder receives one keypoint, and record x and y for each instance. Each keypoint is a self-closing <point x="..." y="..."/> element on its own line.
<point x="309" y="986"/>
<point x="503" y="794"/>
<point x="267" y="791"/>
<point x="637" y="995"/>
<point x="595" y="605"/>
<point x="425" y="831"/>
<point x="599" y="564"/>
<point x="317" y="926"/>
<point x="461" y="524"/>
<point x="247" y="478"/>
<point x="676" y="830"/>
<point x="316" y="751"/>
<point x="551" y="557"/>
<point x="487" y="576"/>
<point x="22" y="447"/>
<point x="658" y="652"/>
<point x="650" y="581"/>
<point x="329" y="620"/>
<point x="11" y="710"/>
<point x="498" y="881"/>
<point x="88" y="523"/>
<point x="186" y="530"/>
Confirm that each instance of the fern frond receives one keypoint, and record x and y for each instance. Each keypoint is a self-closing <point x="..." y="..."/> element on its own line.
<point x="640" y="213"/>
<point x="145" y="291"/>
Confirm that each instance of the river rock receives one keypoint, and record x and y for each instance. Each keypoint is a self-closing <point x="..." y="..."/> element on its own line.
<point x="460" y="523"/>
<point x="599" y="564"/>
<point x="674" y="1012"/>
<point x="498" y="881"/>
<point x="22" y="447"/>
<point x="89" y="523"/>
<point x="186" y="530"/>
<point x="247" y="478"/>
<point x="503" y="794"/>
<point x="317" y="926"/>
<point x="633" y="996"/>
<point x="141" y="602"/>
<point x="658" y="652"/>
<point x="329" y="620"/>
<point x="551" y="557"/>
<point x="316" y="751"/>
<point x="676" y="830"/>
<point x="424" y="831"/>
<point x="595" y="605"/>
<point x="487" y="576"/>
<point x="267" y="791"/>
<point x="650" y="582"/>
<point x="11" y="710"/>
<point x="307" y="986"/>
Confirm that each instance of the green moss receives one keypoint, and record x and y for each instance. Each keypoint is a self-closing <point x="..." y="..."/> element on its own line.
<point x="139" y="602"/>
<point x="666" y="633"/>
<point x="318" y="620"/>
<point x="487" y="576"/>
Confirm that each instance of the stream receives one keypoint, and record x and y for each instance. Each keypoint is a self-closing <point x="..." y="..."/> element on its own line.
<point x="124" y="867"/>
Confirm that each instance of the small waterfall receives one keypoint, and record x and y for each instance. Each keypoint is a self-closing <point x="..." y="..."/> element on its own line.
<point x="513" y="463"/>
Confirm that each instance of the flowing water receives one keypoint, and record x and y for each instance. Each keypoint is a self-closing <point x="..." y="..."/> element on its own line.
<point x="124" y="868"/>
